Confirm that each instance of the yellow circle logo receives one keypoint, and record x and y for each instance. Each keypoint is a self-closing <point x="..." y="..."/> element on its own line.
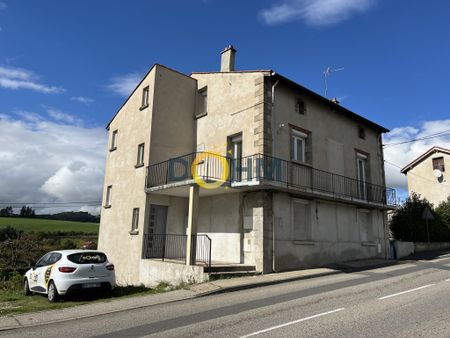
<point x="210" y="166"/>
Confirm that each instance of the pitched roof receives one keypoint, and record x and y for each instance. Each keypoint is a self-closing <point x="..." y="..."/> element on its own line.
<point x="317" y="96"/>
<point x="332" y="104"/>
<point x="269" y="72"/>
<point x="422" y="157"/>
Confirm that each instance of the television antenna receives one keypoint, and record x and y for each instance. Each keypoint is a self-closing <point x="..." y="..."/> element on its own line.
<point x="327" y="72"/>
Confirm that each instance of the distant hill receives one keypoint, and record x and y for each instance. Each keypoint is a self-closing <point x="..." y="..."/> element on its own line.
<point x="79" y="216"/>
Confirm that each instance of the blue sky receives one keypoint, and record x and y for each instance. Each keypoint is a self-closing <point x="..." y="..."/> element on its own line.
<point x="66" y="66"/>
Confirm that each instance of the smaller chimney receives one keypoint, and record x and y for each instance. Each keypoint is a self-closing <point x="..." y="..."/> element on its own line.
<point x="227" y="59"/>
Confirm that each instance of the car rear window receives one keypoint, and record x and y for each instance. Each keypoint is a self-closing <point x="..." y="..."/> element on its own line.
<point x="87" y="258"/>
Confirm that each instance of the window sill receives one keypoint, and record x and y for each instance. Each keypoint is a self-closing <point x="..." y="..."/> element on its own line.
<point x="139" y="165"/>
<point x="107" y="206"/>
<point x="368" y="244"/>
<point x="200" y="115"/>
<point x="304" y="243"/>
<point x="144" y="107"/>
<point x="112" y="149"/>
<point x="133" y="232"/>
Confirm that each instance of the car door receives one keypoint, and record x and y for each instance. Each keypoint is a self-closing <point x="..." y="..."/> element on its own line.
<point x="37" y="275"/>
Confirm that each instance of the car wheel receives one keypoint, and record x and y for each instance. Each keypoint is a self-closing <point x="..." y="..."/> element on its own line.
<point x="26" y="288"/>
<point x="52" y="293"/>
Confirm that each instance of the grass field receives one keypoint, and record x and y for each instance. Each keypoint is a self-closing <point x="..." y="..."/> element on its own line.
<point x="14" y="302"/>
<point x="46" y="225"/>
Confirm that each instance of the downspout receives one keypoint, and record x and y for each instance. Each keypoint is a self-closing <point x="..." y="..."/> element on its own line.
<point x="383" y="177"/>
<point x="273" y="144"/>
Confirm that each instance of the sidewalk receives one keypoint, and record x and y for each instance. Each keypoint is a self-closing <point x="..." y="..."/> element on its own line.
<point x="198" y="290"/>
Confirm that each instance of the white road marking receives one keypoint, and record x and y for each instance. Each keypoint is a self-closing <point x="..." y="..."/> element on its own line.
<point x="407" y="291"/>
<point x="447" y="280"/>
<point x="291" y="323"/>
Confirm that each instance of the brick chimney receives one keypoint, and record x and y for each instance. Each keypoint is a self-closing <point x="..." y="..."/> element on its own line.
<point x="227" y="59"/>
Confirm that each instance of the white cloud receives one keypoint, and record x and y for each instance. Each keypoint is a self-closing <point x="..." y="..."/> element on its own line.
<point x="60" y="116"/>
<point x="403" y="154"/>
<point x="44" y="161"/>
<point x="19" y="78"/>
<point x="125" y="84"/>
<point x="2" y="5"/>
<point x="82" y="99"/>
<point x="314" y="12"/>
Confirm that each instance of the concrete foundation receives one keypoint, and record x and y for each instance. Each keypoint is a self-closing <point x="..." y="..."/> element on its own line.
<point x="153" y="272"/>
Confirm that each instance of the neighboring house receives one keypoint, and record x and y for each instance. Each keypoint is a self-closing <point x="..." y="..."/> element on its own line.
<point x="428" y="175"/>
<point x="238" y="169"/>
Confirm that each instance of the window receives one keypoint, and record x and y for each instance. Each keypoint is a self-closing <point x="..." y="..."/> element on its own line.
<point x="43" y="260"/>
<point x="145" y="93"/>
<point x="135" y="220"/>
<point x="87" y="258"/>
<point x="114" y="140"/>
<point x="140" y="155"/>
<point x="298" y="146"/>
<point x="235" y="150"/>
<point x="300" y="107"/>
<point x="301" y="220"/>
<point x="361" y="169"/>
<point x="202" y="102"/>
<point x="362" y="133"/>
<point x="438" y="163"/>
<point x="108" y="196"/>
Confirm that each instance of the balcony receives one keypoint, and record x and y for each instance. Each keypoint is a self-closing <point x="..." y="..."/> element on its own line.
<point x="212" y="170"/>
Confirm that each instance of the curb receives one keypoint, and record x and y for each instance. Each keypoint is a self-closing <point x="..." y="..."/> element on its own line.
<point x="19" y="326"/>
<point x="261" y="284"/>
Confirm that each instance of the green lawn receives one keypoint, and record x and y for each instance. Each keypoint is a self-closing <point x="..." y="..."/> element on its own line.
<point x="14" y="302"/>
<point x="45" y="225"/>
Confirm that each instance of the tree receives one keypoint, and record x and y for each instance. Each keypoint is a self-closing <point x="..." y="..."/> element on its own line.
<point x="27" y="212"/>
<point x="408" y="224"/>
<point x="17" y="250"/>
<point x="7" y="212"/>
<point x="443" y="211"/>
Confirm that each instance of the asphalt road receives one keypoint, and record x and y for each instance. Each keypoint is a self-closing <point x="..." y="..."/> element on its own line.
<point x="408" y="300"/>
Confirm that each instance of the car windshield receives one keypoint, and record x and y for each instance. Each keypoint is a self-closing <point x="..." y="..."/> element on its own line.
<point x="87" y="258"/>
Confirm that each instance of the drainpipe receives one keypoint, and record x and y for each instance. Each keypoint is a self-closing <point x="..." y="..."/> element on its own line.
<point x="273" y="144"/>
<point x="383" y="177"/>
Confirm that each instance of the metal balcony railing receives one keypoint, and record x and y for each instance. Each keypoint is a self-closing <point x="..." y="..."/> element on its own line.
<point x="256" y="169"/>
<point x="172" y="247"/>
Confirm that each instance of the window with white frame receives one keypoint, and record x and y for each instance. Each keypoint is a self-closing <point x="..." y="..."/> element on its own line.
<point x="108" y="199"/>
<point x="140" y="155"/>
<point x="114" y="140"/>
<point x="145" y="94"/>
<point x="301" y="220"/>
<point x="362" y="174"/>
<point x="135" y="220"/>
<point x="298" y="145"/>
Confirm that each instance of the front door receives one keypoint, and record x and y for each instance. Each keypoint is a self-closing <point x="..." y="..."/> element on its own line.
<point x="236" y="156"/>
<point x="156" y="233"/>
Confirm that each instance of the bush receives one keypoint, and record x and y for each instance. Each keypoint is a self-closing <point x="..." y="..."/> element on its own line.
<point x="408" y="225"/>
<point x="443" y="211"/>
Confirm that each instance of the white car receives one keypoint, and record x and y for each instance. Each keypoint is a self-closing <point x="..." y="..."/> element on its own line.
<point x="65" y="271"/>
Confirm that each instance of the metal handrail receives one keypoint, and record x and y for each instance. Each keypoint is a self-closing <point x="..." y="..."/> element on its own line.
<point x="265" y="167"/>
<point x="173" y="247"/>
